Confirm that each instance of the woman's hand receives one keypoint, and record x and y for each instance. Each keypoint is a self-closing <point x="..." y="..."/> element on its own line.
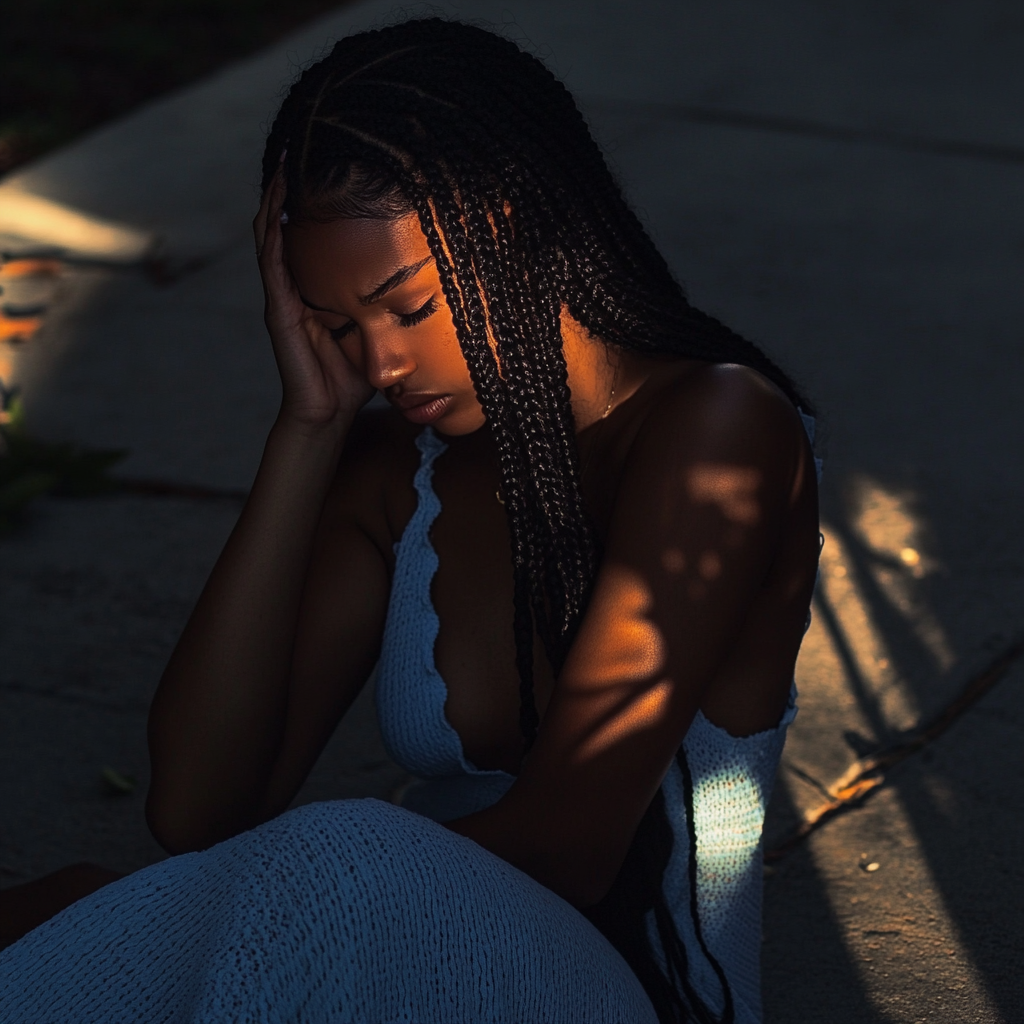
<point x="321" y="388"/>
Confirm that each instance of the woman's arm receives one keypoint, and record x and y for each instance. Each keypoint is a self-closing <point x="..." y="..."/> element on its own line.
<point x="220" y="716"/>
<point x="718" y="493"/>
<point x="286" y="629"/>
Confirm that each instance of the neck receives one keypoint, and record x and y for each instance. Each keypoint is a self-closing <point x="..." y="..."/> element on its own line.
<point x="600" y="377"/>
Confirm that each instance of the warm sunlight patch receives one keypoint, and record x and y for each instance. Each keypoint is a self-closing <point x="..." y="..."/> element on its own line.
<point x="892" y="533"/>
<point x="732" y="488"/>
<point x="642" y="711"/>
<point x="624" y="653"/>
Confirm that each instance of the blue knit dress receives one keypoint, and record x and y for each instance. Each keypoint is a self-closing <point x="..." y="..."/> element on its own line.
<point x="362" y="911"/>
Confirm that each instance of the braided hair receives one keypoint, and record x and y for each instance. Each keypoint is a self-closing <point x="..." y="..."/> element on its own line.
<point x="523" y="219"/>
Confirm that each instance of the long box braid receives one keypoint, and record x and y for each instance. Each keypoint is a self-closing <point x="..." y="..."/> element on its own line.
<point x="523" y="217"/>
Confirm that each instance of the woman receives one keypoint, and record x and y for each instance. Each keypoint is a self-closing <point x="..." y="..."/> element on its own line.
<point x="597" y="719"/>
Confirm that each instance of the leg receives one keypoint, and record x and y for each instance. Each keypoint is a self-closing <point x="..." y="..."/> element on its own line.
<point x="351" y="910"/>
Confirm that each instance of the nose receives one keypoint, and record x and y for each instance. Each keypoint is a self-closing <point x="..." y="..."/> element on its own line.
<point x="385" y="366"/>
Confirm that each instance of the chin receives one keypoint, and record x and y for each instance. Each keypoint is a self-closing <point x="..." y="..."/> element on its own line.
<point x="459" y="423"/>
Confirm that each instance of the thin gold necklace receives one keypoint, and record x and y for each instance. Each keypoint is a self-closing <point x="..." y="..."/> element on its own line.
<point x="597" y="435"/>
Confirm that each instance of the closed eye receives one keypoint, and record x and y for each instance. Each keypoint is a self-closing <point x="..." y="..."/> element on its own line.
<point x="429" y="308"/>
<point x="417" y="316"/>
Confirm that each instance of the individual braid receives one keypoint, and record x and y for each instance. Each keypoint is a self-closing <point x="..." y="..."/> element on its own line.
<point x="523" y="219"/>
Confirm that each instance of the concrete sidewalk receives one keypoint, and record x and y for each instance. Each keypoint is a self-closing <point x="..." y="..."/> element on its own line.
<point x="845" y="187"/>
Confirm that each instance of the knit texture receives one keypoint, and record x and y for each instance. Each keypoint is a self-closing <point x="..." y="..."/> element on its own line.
<point x="345" y="911"/>
<point x="360" y="911"/>
<point x="732" y="776"/>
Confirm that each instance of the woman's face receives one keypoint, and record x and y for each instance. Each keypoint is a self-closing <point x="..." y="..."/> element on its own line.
<point x="374" y="286"/>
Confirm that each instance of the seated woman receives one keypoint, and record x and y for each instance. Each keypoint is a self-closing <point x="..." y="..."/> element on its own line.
<point x="580" y="546"/>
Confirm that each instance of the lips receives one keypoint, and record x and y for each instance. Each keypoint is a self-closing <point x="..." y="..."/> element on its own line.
<point x="422" y="408"/>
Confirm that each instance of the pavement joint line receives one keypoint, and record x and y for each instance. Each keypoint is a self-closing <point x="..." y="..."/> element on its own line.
<point x="865" y="775"/>
<point x="809" y="128"/>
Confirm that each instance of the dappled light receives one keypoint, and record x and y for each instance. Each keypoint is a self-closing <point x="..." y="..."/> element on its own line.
<point x="631" y="712"/>
<point x="27" y="290"/>
<point x="623" y="658"/>
<point x="892" y="533"/>
<point x="631" y="648"/>
<point x="834" y="190"/>
<point x="870" y="600"/>
<point x="724" y="835"/>
<point x="872" y="569"/>
<point x="859" y="643"/>
<point x="732" y="488"/>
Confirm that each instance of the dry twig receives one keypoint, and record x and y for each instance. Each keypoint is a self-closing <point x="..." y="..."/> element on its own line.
<point x="865" y="775"/>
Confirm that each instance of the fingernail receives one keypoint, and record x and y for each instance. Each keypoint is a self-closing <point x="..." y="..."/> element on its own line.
<point x="284" y="217"/>
<point x="284" y="153"/>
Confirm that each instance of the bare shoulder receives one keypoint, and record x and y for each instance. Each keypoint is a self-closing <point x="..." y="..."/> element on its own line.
<point x="728" y="402"/>
<point x="723" y="413"/>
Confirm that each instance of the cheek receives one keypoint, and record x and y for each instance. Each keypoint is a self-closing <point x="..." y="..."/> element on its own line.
<point x="444" y="350"/>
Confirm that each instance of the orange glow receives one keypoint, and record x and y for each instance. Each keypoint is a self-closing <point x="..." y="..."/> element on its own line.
<point x="19" y="328"/>
<point x="908" y="556"/>
<point x="640" y="712"/>
<point x="624" y="654"/>
<point x="31" y="275"/>
<point x="732" y="488"/>
<point x="630" y="647"/>
<point x="30" y="267"/>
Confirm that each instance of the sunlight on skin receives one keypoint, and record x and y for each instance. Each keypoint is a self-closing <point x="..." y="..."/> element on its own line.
<point x="732" y="488"/>
<point x="625" y="658"/>
<point x="891" y="531"/>
<point x="633" y="649"/>
<point x="629" y="711"/>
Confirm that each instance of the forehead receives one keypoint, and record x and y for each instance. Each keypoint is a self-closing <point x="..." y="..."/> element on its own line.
<point x="351" y="256"/>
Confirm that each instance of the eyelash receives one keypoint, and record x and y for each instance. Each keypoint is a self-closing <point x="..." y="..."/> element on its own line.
<point x="417" y="316"/>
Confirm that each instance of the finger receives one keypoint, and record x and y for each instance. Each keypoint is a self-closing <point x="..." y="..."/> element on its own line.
<point x="272" y="238"/>
<point x="259" y="222"/>
<point x="272" y="195"/>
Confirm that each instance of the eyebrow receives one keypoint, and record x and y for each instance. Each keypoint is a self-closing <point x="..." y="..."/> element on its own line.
<point x="399" y="277"/>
